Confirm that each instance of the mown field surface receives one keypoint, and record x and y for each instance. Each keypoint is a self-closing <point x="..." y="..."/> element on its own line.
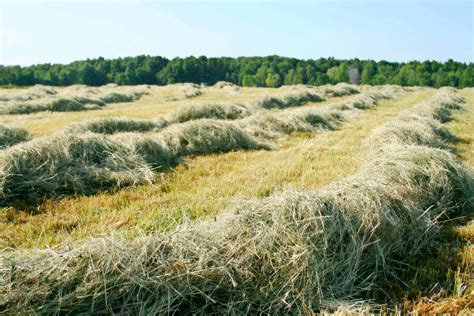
<point x="218" y="199"/>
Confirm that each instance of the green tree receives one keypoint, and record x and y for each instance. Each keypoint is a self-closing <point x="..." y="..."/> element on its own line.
<point x="368" y="72"/>
<point x="273" y="80"/>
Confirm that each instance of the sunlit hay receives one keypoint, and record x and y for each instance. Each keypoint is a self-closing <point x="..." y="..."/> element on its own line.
<point x="12" y="135"/>
<point x="184" y="91"/>
<point x="293" y="252"/>
<point x="306" y="119"/>
<point x="228" y="87"/>
<point x="420" y="125"/>
<point x="115" y="97"/>
<point x="309" y="119"/>
<point x="338" y="90"/>
<point x="89" y="100"/>
<point x="151" y="148"/>
<point x="190" y="90"/>
<point x="287" y="99"/>
<point x="84" y="163"/>
<point x="65" y="105"/>
<point x="225" y="111"/>
<point x="369" y="97"/>
<point x="387" y="91"/>
<point x="224" y="84"/>
<point x="207" y="136"/>
<point x="46" y="104"/>
<point x="67" y="164"/>
<point x="441" y="105"/>
<point x="115" y="125"/>
<point x="73" y="98"/>
<point x="31" y="93"/>
<point x="420" y="131"/>
<point x="288" y="253"/>
<point x="361" y="102"/>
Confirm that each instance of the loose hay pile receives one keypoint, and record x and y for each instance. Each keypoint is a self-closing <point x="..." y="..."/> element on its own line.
<point x="185" y="91"/>
<point x="288" y="99"/>
<point x="223" y="111"/>
<point x="11" y="135"/>
<point x="293" y="252"/>
<point x="46" y="167"/>
<point x="229" y="87"/>
<point x="85" y="163"/>
<point x="115" y="125"/>
<point x="339" y="90"/>
<point x="72" y="98"/>
<point x="421" y="125"/>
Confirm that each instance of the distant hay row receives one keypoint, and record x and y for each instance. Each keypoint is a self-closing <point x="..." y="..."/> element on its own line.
<point x="220" y="111"/>
<point x="185" y="91"/>
<point x="90" y="157"/>
<point x="313" y="118"/>
<point x="290" y="253"/>
<point x="72" y="98"/>
<point x="287" y="96"/>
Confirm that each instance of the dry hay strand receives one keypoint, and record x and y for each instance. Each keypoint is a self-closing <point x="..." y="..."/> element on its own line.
<point x="420" y="125"/>
<point x="291" y="252"/>
<point x="209" y="136"/>
<point x="225" y="84"/>
<point x="287" y="99"/>
<point x="67" y="164"/>
<point x="223" y="111"/>
<point x="73" y="98"/>
<point x="86" y="163"/>
<point x="339" y="90"/>
<point x="115" y="125"/>
<point x="12" y="135"/>
<point x="31" y="93"/>
<point x="307" y="119"/>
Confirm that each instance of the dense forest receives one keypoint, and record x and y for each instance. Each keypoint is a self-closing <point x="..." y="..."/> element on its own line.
<point x="270" y="71"/>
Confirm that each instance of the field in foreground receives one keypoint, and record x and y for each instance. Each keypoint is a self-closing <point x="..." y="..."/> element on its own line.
<point x="295" y="199"/>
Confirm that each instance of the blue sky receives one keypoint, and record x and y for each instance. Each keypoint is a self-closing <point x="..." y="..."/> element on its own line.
<point x="64" y="31"/>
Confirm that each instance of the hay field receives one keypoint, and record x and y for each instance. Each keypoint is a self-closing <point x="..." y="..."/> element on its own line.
<point x="189" y="199"/>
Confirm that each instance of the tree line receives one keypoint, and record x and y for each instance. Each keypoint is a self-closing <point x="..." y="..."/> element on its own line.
<point x="270" y="71"/>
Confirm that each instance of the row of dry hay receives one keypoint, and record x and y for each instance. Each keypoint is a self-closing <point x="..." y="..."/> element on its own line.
<point x="72" y="98"/>
<point x="294" y="252"/>
<point x="78" y="98"/>
<point x="86" y="158"/>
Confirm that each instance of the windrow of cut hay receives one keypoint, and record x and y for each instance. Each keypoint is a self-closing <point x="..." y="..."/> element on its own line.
<point x="73" y="98"/>
<point x="222" y="111"/>
<point x="185" y="91"/>
<point x="421" y="125"/>
<point x="232" y="111"/>
<point x="12" y="135"/>
<point x="287" y="99"/>
<point x="312" y="118"/>
<point x="369" y="96"/>
<point x="228" y="87"/>
<point x="116" y="125"/>
<point x="219" y="111"/>
<point x="288" y="96"/>
<point x="85" y="158"/>
<point x="86" y="163"/>
<point x="35" y="92"/>
<point x="339" y="90"/>
<point x="293" y="252"/>
<point x="293" y="96"/>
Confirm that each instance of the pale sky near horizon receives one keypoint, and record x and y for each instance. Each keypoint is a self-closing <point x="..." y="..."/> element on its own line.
<point x="63" y="31"/>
